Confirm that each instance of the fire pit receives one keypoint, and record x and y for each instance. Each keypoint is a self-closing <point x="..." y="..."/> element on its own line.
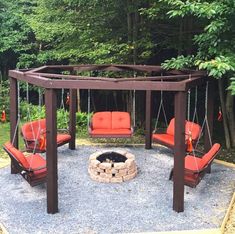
<point x="112" y="166"/>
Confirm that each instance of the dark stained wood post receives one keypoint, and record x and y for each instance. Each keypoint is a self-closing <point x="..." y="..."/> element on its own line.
<point x="179" y="151"/>
<point x="14" y="134"/>
<point x="148" y="120"/>
<point x="51" y="151"/>
<point x="72" y="118"/>
<point x="209" y="105"/>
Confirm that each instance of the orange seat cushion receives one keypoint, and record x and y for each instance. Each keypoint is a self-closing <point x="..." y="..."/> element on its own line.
<point x="168" y="139"/>
<point x="111" y="132"/>
<point x="193" y="163"/>
<point x="121" y="120"/>
<point x="35" y="161"/>
<point x="61" y="138"/>
<point x="18" y="155"/>
<point x="102" y="120"/>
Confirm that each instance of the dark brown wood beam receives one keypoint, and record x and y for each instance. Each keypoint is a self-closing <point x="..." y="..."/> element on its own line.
<point x="148" y="120"/>
<point x="179" y="151"/>
<point x="72" y="117"/>
<point x="14" y="133"/>
<point x="51" y="151"/>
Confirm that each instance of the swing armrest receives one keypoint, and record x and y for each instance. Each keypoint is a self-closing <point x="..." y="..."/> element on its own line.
<point x="63" y="130"/>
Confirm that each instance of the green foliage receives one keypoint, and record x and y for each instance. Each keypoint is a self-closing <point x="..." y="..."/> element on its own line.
<point x="4" y="97"/>
<point x="179" y="62"/>
<point x="232" y="86"/>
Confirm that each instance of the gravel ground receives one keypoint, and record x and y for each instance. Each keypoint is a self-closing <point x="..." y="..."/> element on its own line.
<point x="143" y="204"/>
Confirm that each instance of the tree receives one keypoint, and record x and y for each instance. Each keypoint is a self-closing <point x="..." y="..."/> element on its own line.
<point x="213" y="41"/>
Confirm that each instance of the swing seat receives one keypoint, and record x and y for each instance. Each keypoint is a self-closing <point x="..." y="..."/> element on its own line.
<point x="167" y="139"/>
<point x="32" y="168"/>
<point x="109" y="124"/>
<point x="196" y="166"/>
<point x="34" y="135"/>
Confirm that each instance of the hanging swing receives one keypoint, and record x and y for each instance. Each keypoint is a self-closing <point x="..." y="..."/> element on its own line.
<point x="31" y="167"/>
<point x="34" y="133"/>
<point x="197" y="163"/>
<point x="192" y="130"/>
<point x="110" y="124"/>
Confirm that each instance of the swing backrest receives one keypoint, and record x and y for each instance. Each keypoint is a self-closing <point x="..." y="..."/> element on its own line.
<point x="111" y="120"/>
<point x="194" y="128"/>
<point x="210" y="155"/>
<point x="18" y="155"/>
<point x="34" y="129"/>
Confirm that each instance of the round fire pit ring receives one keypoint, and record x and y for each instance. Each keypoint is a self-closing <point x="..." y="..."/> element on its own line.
<point x="111" y="166"/>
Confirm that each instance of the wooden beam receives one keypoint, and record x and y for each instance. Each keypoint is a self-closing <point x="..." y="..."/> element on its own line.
<point x="179" y="152"/>
<point x="148" y="121"/>
<point x="14" y="133"/>
<point x="51" y="151"/>
<point x="72" y="118"/>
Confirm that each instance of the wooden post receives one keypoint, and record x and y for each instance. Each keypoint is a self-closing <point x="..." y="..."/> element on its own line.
<point x="51" y="151"/>
<point x="209" y="105"/>
<point x="72" y="118"/>
<point x="14" y="133"/>
<point x="148" y="121"/>
<point x="179" y="151"/>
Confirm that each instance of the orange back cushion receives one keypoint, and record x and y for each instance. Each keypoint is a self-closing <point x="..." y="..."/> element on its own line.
<point x="121" y="120"/>
<point x="194" y="128"/>
<point x="210" y="154"/>
<point x="171" y="128"/>
<point x="17" y="154"/>
<point x="102" y="120"/>
<point x="32" y="130"/>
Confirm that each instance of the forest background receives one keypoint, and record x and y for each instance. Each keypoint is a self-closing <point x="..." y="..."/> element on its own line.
<point x="197" y="34"/>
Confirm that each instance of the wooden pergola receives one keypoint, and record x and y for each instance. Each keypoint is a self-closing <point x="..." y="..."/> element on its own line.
<point x="52" y="78"/>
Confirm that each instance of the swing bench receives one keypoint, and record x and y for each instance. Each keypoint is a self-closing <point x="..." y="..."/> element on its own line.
<point x="111" y="124"/>
<point x="34" y="136"/>
<point x="32" y="168"/>
<point x="192" y="132"/>
<point x="196" y="166"/>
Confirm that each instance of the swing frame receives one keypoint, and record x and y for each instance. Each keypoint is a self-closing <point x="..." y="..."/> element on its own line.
<point x="174" y="81"/>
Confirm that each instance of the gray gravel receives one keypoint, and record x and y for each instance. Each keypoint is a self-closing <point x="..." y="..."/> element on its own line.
<point x="143" y="204"/>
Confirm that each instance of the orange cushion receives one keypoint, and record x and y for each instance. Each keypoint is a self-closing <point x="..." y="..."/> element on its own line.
<point x="194" y="128"/>
<point x="63" y="138"/>
<point x="168" y="139"/>
<point x="210" y="154"/>
<point x="102" y="120"/>
<point x="171" y="127"/>
<point x="18" y="155"/>
<point x="33" y="130"/>
<point x="111" y="132"/>
<point x="193" y="163"/>
<point x="121" y="120"/>
<point x="36" y="161"/>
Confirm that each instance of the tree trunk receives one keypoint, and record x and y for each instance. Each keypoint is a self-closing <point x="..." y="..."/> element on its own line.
<point x="231" y="117"/>
<point x="223" y="108"/>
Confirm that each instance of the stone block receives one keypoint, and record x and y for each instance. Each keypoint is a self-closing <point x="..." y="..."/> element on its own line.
<point x="120" y="165"/>
<point x="105" y="165"/>
<point x="116" y="180"/>
<point x="130" y="176"/>
<point x="130" y="156"/>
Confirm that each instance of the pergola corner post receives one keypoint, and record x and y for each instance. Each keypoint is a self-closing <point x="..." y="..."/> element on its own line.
<point x="72" y="118"/>
<point x="148" y="120"/>
<point x="14" y="133"/>
<point x="179" y="151"/>
<point x="51" y="151"/>
<point x="208" y="131"/>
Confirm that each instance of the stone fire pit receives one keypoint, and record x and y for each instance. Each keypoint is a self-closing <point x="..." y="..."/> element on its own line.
<point x="112" y="166"/>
